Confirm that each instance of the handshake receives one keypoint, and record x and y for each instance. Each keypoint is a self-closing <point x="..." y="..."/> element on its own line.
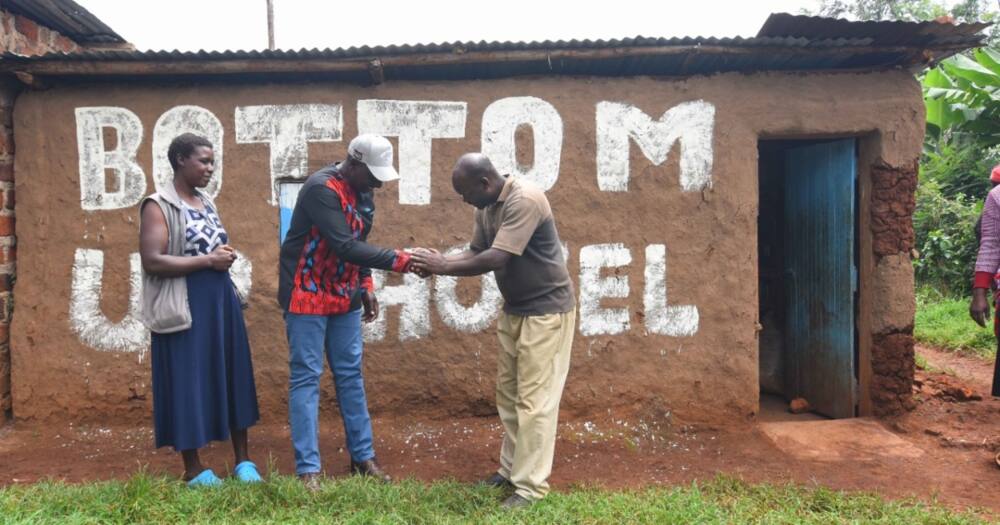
<point x="425" y="262"/>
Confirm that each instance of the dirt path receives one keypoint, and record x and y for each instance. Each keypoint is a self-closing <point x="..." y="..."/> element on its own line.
<point x="956" y="408"/>
<point x="953" y="463"/>
<point x="976" y="371"/>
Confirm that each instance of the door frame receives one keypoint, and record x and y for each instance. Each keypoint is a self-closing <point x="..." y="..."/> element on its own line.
<point x="868" y="155"/>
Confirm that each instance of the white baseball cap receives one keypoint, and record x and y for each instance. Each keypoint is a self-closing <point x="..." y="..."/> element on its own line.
<point x="375" y="152"/>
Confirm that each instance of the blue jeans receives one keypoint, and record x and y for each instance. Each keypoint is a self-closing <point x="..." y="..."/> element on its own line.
<point x="339" y="337"/>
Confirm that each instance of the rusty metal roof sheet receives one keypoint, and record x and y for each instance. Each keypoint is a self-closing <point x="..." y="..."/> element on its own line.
<point x="66" y="17"/>
<point x="882" y="33"/>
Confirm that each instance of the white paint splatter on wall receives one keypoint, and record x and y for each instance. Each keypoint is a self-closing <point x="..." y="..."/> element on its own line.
<point x="289" y="129"/>
<point x="186" y="119"/>
<point x="691" y="123"/>
<point x="661" y="318"/>
<point x="129" y="179"/>
<point x="416" y="123"/>
<point x="85" y="316"/>
<point x="500" y="123"/>
<point x="241" y="273"/>
<point x="471" y="319"/>
<point x="414" y="298"/>
<point x="595" y="320"/>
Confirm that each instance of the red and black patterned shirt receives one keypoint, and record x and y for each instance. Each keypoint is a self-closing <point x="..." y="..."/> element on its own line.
<point x="325" y="261"/>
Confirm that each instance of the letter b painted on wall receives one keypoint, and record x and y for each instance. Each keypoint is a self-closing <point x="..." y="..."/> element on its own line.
<point x="128" y="184"/>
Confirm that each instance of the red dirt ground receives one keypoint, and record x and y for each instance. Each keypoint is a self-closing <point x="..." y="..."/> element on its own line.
<point x="959" y="440"/>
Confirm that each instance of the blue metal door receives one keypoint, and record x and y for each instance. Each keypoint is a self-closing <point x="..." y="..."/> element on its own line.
<point x="819" y="189"/>
<point x="288" y="193"/>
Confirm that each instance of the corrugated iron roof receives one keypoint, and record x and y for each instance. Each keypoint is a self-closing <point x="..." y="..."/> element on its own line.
<point x="785" y="44"/>
<point x="66" y="17"/>
<point x="882" y="33"/>
<point x="445" y="47"/>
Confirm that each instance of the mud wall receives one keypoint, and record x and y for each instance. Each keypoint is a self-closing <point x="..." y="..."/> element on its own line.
<point x="893" y="202"/>
<point x="21" y="35"/>
<point x="652" y="182"/>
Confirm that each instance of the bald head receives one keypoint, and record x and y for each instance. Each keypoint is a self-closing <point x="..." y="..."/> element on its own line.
<point x="473" y="165"/>
<point x="476" y="180"/>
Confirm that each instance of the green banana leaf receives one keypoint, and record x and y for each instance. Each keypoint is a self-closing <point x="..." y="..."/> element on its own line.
<point x="964" y="67"/>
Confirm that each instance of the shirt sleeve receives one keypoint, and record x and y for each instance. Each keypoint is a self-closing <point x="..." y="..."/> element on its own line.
<point x="518" y="221"/>
<point x="988" y="258"/>
<point x="478" y="243"/>
<point x="366" y="280"/>
<point x="323" y="207"/>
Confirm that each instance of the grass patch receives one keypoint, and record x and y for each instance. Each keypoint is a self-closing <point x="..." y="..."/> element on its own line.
<point x="945" y="323"/>
<point x="149" y="499"/>
<point x="922" y="364"/>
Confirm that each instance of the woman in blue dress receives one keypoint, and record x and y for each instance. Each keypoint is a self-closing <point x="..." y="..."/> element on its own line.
<point x="203" y="386"/>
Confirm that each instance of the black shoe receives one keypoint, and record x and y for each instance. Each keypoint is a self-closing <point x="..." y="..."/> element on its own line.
<point x="515" y="502"/>
<point x="370" y="468"/>
<point x="498" y="481"/>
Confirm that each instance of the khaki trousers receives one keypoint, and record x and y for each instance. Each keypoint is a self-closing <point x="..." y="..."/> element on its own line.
<point x="531" y="372"/>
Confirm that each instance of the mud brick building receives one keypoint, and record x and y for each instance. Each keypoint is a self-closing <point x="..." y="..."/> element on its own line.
<point x="736" y="211"/>
<point x="31" y="28"/>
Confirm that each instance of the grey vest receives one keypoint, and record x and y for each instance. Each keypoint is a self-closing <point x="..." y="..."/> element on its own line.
<point x="164" y="305"/>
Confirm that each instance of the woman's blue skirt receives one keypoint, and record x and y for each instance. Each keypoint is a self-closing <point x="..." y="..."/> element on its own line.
<point x="203" y="377"/>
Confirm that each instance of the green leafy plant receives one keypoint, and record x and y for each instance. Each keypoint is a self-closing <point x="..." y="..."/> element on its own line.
<point x="962" y="97"/>
<point x="945" y="234"/>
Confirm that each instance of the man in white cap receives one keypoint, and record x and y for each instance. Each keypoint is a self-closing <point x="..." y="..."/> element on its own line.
<point x="325" y="289"/>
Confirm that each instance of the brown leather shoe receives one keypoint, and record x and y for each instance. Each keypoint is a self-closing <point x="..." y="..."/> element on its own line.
<point x="370" y="468"/>
<point x="311" y="481"/>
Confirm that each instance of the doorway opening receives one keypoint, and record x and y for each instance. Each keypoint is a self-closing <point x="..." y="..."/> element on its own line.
<point x="807" y="276"/>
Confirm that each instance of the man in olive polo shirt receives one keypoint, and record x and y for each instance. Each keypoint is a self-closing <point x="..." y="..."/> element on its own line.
<point x="515" y="237"/>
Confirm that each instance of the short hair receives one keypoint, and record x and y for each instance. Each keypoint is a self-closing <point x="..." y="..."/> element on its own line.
<point x="184" y="145"/>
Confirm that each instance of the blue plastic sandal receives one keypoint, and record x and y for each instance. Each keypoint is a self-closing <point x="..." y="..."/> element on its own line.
<point x="247" y="472"/>
<point x="207" y="478"/>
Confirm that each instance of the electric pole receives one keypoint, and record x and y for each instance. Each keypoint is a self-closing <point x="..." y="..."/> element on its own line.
<point x="270" y="24"/>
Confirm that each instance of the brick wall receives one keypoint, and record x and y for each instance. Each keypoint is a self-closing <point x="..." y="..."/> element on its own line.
<point x="25" y="37"/>
<point x="8" y="91"/>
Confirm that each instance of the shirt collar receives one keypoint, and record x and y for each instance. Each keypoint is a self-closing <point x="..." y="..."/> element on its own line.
<point x="335" y="170"/>
<point x="508" y="185"/>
